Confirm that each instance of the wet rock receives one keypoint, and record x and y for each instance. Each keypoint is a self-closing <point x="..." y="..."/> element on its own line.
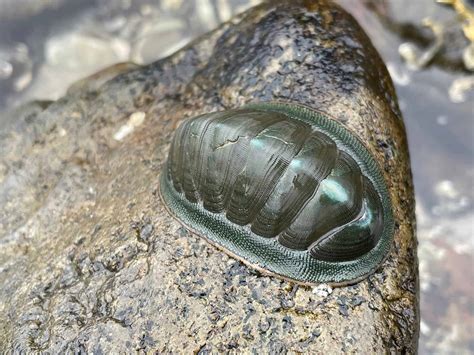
<point x="90" y="261"/>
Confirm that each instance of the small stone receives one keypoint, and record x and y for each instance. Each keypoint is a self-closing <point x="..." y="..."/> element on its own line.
<point x="343" y="310"/>
<point x="183" y="232"/>
<point x="322" y="290"/>
<point x="357" y="301"/>
<point x="135" y="120"/>
<point x="287" y="324"/>
<point x="263" y="326"/>
<point x="468" y="57"/>
<point x="146" y="232"/>
<point x="459" y="89"/>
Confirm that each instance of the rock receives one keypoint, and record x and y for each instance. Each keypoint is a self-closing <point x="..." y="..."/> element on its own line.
<point x="91" y="261"/>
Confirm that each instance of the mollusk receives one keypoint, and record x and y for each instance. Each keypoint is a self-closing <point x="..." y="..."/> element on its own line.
<point x="284" y="188"/>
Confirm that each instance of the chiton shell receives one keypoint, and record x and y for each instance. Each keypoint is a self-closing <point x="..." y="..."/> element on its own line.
<point x="282" y="187"/>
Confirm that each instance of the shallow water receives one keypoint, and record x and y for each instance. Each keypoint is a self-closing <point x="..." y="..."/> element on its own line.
<point x="44" y="47"/>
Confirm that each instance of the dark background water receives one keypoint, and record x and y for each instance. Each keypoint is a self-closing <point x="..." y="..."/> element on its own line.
<point x="47" y="45"/>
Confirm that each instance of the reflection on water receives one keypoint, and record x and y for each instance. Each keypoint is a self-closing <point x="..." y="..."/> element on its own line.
<point x="46" y="46"/>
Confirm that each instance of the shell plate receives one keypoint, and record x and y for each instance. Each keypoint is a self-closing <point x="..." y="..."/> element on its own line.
<point x="283" y="188"/>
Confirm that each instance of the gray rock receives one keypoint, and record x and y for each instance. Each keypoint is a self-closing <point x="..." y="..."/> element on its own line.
<point x="91" y="261"/>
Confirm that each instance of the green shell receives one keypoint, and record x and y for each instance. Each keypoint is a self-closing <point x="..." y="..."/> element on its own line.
<point x="283" y="188"/>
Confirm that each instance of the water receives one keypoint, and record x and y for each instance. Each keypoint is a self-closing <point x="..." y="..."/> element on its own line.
<point x="41" y="43"/>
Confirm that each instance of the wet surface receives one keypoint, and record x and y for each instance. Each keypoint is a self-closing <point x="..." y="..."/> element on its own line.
<point x="437" y="103"/>
<point x="42" y="53"/>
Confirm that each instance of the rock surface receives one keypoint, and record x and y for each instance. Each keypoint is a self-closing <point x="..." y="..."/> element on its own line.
<point x="91" y="261"/>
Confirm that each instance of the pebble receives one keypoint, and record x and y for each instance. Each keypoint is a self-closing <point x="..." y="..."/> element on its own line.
<point x="322" y="290"/>
<point x="135" y="120"/>
<point x="459" y="89"/>
<point x="79" y="51"/>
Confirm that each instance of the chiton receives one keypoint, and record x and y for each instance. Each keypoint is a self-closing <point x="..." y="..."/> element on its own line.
<point x="282" y="187"/>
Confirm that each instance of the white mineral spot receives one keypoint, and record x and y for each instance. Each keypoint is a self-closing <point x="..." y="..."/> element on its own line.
<point x="135" y="120"/>
<point x="322" y="290"/>
<point x="459" y="89"/>
<point x="62" y="132"/>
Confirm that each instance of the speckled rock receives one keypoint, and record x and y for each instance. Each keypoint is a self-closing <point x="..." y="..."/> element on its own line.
<point x="90" y="261"/>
